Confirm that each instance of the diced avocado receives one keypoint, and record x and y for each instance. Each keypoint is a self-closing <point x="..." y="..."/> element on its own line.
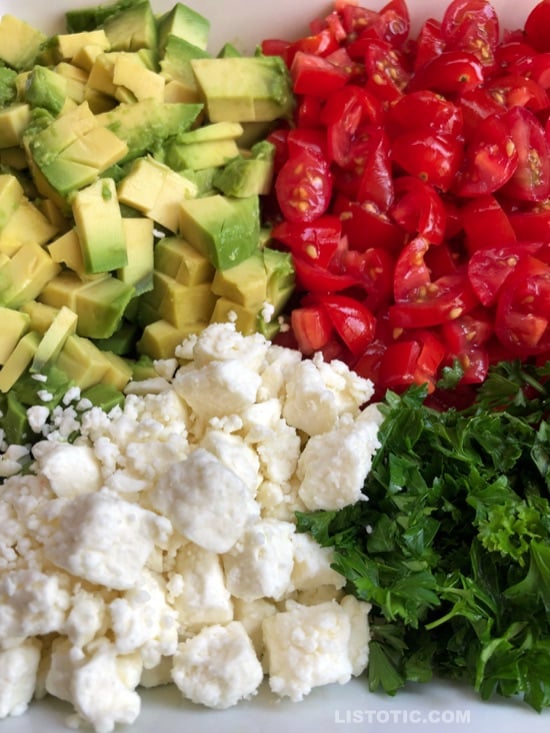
<point x="132" y="27"/>
<point x="245" y="88"/>
<point x="104" y="396"/>
<point x="154" y="189"/>
<point x="99" y="226"/>
<point x="118" y="372"/>
<point x="245" y="318"/>
<point x="66" y="250"/>
<point x="224" y="229"/>
<point x="228" y="50"/>
<point x="213" y="132"/>
<point x="175" y="66"/>
<point x="19" y="42"/>
<point x="100" y="306"/>
<point x="138" y="272"/>
<point x="146" y="124"/>
<point x="25" y="275"/>
<point x="26" y="225"/>
<point x="68" y="45"/>
<point x="11" y="194"/>
<point x="143" y="368"/>
<point x="94" y="16"/>
<point x="181" y="304"/>
<point x="15" y="324"/>
<point x="160" y="339"/>
<point x="48" y="142"/>
<point x="19" y="360"/>
<point x="280" y="277"/>
<point x="62" y="290"/>
<point x="99" y="148"/>
<point x="201" y="155"/>
<point x="51" y="343"/>
<point x="246" y="283"/>
<point x="177" y="258"/>
<point x="246" y="175"/>
<point x="122" y="341"/>
<point x="8" y="91"/>
<point x="183" y="22"/>
<point x="40" y="315"/>
<point x="82" y="361"/>
<point x="129" y="72"/>
<point x="13" y="122"/>
<point x="45" y="88"/>
<point x="203" y="180"/>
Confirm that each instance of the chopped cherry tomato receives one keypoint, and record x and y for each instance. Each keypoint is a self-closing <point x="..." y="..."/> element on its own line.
<point x="473" y="26"/>
<point x="353" y="321"/>
<point x="452" y="72"/>
<point x="531" y="226"/>
<point x="523" y="308"/>
<point x="317" y="242"/>
<point x="424" y="110"/>
<point x="429" y="42"/>
<point x="366" y="226"/>
<point x="386" y="70"/>
<point x="311" y="327"/>
<point x="374" y="270"/>
<point x="315" y="279"/>
<point x="433" y="158"/>
<point x="485" y="221"/>
<point x="419" y="209"/>
<point x="537" y="27"/>
<point x="304" y="187"/>
<point x="490" y="159"/>
<point x="394" y="22"/>
<point x="315" y="75"/>
<point x="398" y="364"/>
<point x="515" y="90"/>
<point x="531" y="179"/>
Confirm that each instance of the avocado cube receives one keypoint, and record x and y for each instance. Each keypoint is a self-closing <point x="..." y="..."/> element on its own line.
<point x="245" y="318"/>
<point x="26" y="225"/>
<point x="245" y="284"/>
<point x="245" y="88"/>
<point x="15" y="324"/>
<point x="8" y="91"/>
<point x="68" y="45"/>
<point x="160" y="339"/>
<point x="99" y="148"/>
<point x="177" y="258"/>
<point x="11" y="194"/>
<point x="224" y="229"/>
<point x="25" y="275"/>
<point x="45" y="88"/>
<point x="132" y="27"/>
<point x="92" y="17"/>
<point x="13" y="122"/>
<point x="116" y="376"/>
<point x="18" y="361"/>
<point x="53" y="340"/>
<point x="201" y="155"/>
<point x="19" y="42"/>
<point x="129" y="72"/>
<point x="46" y="144"/>
<point x="99" y="226"/>
<point x="82" y="361"/>
<point x="246" y="175"/>
<point x="66" y="250"/>
<point x="140" y="241"/>
<point x="62" y="290"/>
<point x="122" y="341"/>
<point x="181" y="304"/>
<point x="104" y="396"/>
<point x="40" y="315"/>
<point x="146" y="124"/>
<point x="183" y="22"/>
<point x="280" y="277"/>
<point x="175" y="66"/>
<point x="100" y="306"/>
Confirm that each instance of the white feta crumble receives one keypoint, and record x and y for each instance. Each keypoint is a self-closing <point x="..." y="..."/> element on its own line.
<point x="157" y="543"/>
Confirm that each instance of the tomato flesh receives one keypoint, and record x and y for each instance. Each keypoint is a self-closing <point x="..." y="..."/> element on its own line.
<point x="412" y="187"/>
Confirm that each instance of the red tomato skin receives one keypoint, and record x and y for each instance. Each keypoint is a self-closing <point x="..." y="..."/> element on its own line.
<point x="311" y="327"/>
<point x="353" y="321"/>
<point x="485" y="222"/>
<point x="312" y="74"/>
<point x="537" y="27"/>
<point x="450" y="73"/>
<point x="531" y="179"/>
<point x="304" y="187"/>
<point x="432" y="158"/>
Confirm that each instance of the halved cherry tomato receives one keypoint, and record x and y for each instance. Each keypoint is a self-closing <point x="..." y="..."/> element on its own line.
<point x="531" y="226"/>
<point x="429" y="42"/>
<point x="537" y="27"/>
<point x="315" y="279"/>
<point x="434" y="158"/>
<point x="394" y="22"/>
<point x="312" y="74"/>
<point x="419" y="209"/>
<point x="518" y="90"/>
<point x="452" y="73"/>
<point x="485" y="223"/>
<point x="424" y="110"/>
<point x="304" y="187"/>
<point x="387" y="72"/>
<point x="523" y="308"/>
<point x="311" y="327"/>
<point x="490" y="159"/>
<point x="473" y="26"/>
<point x="531" y="179"/>
<point x="471" y="330"/>
<point x="366" y="226"/>
<point x="353" y="321"/>
<point x="317" y="241"/>
<point x="374" y="270"/>
<point x="411" y="275"/>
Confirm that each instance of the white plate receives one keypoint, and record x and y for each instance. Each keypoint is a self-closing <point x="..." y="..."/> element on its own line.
<point x="428" y="707"/>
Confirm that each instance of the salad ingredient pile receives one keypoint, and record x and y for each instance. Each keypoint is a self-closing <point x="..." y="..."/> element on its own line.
<point x="413" y="190"/>
<point x="161" y="546"/>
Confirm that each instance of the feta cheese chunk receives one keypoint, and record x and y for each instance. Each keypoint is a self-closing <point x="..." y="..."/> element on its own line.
<point x="18" y="671"/>
<point x="333" y="466"/>
<point x="260" y="564"/>
<point x="205" y="501"/>
<point x="105" y="540"/>
<point x="218" y="667"/>
<point x="308" y="646"/>
<point x="71" y="469"/>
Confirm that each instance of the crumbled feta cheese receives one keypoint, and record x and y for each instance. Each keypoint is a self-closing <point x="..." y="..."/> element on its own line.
<point x="105" y="540"/>
<point x="205" y="501"/>
<point x="18" y="671"/>
<point x="308" y="646"/>
<point x="260" y="563"/>
<point x="157" y="542"/>
<point x="333" y="465"/>
<point x="218" y="666"/>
